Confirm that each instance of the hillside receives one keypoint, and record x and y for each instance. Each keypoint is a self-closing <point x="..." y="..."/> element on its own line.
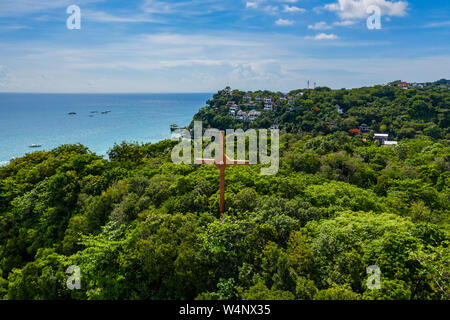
<point x="401" y="112"/>
<point x="142" y="227"/>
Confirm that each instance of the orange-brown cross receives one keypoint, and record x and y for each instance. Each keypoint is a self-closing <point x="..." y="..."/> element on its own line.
<point x="222" y="163"/>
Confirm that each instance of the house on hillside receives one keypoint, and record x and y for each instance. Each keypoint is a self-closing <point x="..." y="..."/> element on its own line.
<point x="339" y="109"/>
<point x="268" y="99"/>
<point x="247" y="97"/>
<point x="233" y="111"/>
<point x="258" y="98"/>
<point x="382" y="139"/>
<point x="364" y="128"/>
<point x="403" y="85"/>
<point x="231" y="104"/>
<point x="241" y="115"/>
<point x="390" y="143"/>
<point x="253" y="115"/>
<point x="268" y="107"/>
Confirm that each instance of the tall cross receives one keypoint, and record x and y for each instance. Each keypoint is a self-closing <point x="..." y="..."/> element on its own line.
<point x="222" y="163"/>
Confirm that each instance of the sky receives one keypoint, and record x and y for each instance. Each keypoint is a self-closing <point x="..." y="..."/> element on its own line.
<point x="149" y="46"/>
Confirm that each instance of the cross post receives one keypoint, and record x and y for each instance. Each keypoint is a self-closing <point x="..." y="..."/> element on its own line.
<point x="222" y="162"/>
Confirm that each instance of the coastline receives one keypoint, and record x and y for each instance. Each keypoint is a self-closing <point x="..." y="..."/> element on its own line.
<point x="44" y="120"/>
<point x="4" y="163"/>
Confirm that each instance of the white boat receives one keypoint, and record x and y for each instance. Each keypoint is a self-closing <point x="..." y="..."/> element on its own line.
<point x="35" y="146"/>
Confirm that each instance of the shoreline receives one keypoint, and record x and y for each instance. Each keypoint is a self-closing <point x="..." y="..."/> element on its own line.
<point x="4" y="163"/>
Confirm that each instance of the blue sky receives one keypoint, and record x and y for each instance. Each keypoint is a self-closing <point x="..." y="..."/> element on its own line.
<point x="205" y="45"/>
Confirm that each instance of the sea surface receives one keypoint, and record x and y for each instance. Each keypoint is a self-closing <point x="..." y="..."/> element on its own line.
<point x="43" y="119"/>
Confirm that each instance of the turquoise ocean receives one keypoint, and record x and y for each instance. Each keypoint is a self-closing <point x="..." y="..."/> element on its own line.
<point x="43" y="119"/>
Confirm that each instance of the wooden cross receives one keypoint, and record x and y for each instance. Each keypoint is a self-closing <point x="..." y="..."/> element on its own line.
<point x="222" y="164"/>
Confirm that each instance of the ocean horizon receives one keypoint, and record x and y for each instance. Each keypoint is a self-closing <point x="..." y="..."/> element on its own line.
<point x="96" y="120"/>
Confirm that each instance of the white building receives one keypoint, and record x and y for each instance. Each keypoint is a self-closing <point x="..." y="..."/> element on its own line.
<point x="268" y="107"/>
<point x="241" y="115"/>
<point x="364" y="128"/>
<point x="233" y="110"/>
<point x="253" y="115"/>
<point x="382" y="139"/>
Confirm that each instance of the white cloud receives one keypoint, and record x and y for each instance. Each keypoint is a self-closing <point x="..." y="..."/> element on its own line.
<point x="4" y="76"/>
<point x="14" y="27"/>
<point x="101" y="16"/>
<point x="168" y="62"/>
<point x="322" y="25"/>
<point x="24" y="7"/>
<point x="319" y="26"/>
<point x="153" y="6"/>
<point x="271" y="9"/>
<point x="438" y="24"/>
<point x="251" y="4"/>
<point x="344" y="23"/>
<point x="184" y="8"/>
<point x="284" y="22"/>
<point x="356" y="9"/>
<point x="323" y="36"/>
<point x="293" y="9"/>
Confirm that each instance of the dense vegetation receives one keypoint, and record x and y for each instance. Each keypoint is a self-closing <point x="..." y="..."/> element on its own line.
<point x="141" y="227"/>
<point x="385" y="109"/>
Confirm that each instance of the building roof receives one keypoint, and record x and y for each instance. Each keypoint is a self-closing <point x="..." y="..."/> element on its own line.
<point x="381" y="135"/>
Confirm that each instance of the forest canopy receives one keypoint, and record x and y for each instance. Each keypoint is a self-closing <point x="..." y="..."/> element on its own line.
<point x="141" y="227"/>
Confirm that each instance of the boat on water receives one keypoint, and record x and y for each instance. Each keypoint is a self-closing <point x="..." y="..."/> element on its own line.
<point x="72" y="113"/>
<point x="35" y="146"/>
<point x="94" y="111"/>
<point x="106" y="112"/>
<point x="175" y="127"/>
